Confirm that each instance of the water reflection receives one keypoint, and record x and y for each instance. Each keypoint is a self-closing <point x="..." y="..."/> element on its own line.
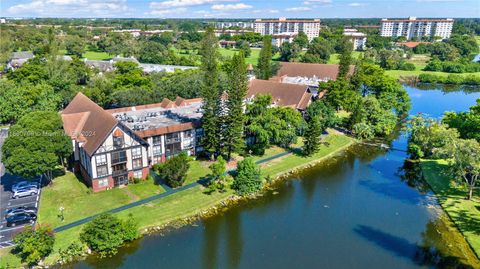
<point x="211" y="246"/>
<point x="234" y="241"/>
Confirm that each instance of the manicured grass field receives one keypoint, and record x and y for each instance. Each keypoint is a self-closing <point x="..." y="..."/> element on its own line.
<point x="336" y="143"/>
<point x="79" y="202"/>
<point x="464" y="213"/>
<point x="334" y="58"/>
<point x="96" y="55"/>
<point x="225" y="53"/>
<point x="403" y="73"/>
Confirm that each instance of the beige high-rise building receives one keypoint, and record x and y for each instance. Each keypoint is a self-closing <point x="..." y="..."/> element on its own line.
<point x="284" y="26"/>
<point x="413" y="27"/>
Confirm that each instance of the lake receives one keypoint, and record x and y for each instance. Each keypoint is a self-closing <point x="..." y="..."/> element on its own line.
<point x="359" y="209"/>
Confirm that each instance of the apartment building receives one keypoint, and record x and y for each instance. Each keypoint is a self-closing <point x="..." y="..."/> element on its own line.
<point x="416" y="28"/>
<point x="234" y="24"/>
<point x="111" y="146"/>
<point x="358" y="39"/>
<point x="284" y="26"/>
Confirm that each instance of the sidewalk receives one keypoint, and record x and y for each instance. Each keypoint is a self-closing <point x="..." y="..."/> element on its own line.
<point x="168" y="191"/>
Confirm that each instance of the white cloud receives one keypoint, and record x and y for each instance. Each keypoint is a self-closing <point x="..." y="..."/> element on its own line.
<point x="184" y="3"/>
<point x="357" y="4"/>
<point x="298" y="9"/>
<point x="238" y="6"/>
<point x="72" y="8"/>
<point x="313" y="2"/>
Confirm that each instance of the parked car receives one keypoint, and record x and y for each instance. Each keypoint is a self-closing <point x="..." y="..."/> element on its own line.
<point x="21" y="218"/>
<point x="22" y="192"/>
<point x="24" y="184"/>
<point x="19" y="210"/>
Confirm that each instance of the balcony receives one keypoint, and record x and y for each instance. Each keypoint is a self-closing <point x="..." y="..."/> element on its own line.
<point x="119" y="172"/>
<point x="172" y="140"/>
<point x="119" y="160"/>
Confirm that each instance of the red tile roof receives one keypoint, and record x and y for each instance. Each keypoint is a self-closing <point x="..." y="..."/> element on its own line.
<point x="283" y="94"/>
<point x="412" y="44"/>
<point x="87" y="122"/>
<point x="311" y="70"/>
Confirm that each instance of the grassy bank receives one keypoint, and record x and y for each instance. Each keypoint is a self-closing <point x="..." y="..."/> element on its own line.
<point x="171" y="209"/>
<point x="415" y="73"/>
<point x="464" y="213"/>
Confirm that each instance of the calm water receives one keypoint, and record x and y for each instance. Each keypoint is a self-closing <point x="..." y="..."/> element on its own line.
<point x="353" y="211"/>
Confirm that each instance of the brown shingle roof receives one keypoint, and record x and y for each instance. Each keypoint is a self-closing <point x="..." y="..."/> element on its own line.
<point x="87" y="122"/>
<point x="283" y="94"/>
<point x="310" y="70"/>
<point x="167" y="129"/>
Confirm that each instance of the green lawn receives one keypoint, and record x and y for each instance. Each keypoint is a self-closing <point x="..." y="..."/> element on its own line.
<point x="92" y="55"/>
<point x="334" y="58"/>
<point x="403" y="73"/>
<point x="79" y="202"/>
<point x="198" y="170"/>
<point x="226" y="53"/>
<point x="293" y="161"/>
<point x="464" y="213"/>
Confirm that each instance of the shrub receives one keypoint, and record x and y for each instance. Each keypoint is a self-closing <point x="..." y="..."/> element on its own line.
<point x="106" y="233"/>
<point x="174" y="170"/>
<point x="247" y="180"/>
<point x="454" y="79"/>
<point x="34" y="245"/>
<point x="69" y="254"/>
<point x="406" y="66"/>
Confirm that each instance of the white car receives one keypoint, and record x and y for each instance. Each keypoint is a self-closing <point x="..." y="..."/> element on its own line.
<point x="23" y="192"/>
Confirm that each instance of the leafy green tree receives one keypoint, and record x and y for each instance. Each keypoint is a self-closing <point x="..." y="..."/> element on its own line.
<point x="467" y="123"/>
<point x="314" y="131"/>
<point x="174" y="170"/>
<point x="245" y="47"/>
<point x="235" y="119"/>
<point x="345" y="58"/>
<point x="36" y="145"/>
<point x="247" y="179"/>
<point x="340" y="94"/>
<point x="265" y="58"/>
<point x="183" y="83"/>
<point x="75" y="46"/>
<point x="32" y="246"/>
<point x="129" y="75"/>
<point x="301" y="40"/>
<point x="106" y="233"/>
<point x="465" y="164"/>
<point x="444" y="51"/>
<point x="32" y="71"/>
<point x="18" y="99"/>
<point x="218" y="168"/>
<point x="429" y="137"/>
<point x="318" y="52"/>
<point x="211" y="95"/>
<point x="289" y="51"/>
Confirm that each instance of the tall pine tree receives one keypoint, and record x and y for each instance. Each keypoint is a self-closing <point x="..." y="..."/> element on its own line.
<point x="234" y="121"/>
<point x="319" y="116"/>
<point x="211" y="95"/>
<point x="345" y="58"/>
<point x="264" y="65"/>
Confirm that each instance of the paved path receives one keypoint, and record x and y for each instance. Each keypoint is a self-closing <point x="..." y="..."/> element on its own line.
<point x="168" y="191"/>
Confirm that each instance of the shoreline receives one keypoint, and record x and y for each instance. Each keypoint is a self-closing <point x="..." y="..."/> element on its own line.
<point x="223" y="204"/>
<point x="441" y="200"/>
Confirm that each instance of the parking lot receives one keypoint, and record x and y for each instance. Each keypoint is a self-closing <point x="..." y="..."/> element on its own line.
<point x="6" y="201"/>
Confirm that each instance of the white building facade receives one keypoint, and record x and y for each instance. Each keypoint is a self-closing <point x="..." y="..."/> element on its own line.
<point x="416" y="28"/>
<point x="358" y="39"/>
<point x="283" y="26"/>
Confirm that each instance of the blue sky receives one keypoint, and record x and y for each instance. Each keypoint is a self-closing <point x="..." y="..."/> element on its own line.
<point x="240" y="8"/>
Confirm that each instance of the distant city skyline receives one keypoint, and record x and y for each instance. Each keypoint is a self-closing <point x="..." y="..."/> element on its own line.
<point x="240" y="8"/>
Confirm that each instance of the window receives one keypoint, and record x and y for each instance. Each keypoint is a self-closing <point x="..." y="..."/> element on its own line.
<point x="157" y="140"/>
<point x="119" y="157"/>
<point x="138" y="174"/>
<point x="188" y="133"/>
<point x="157" y="150"/>
<point x="102" y="182"/>
<point x="172" y="138"/>
<point x="118" y="141"/>
<point x="136" y="152"/>
<point x="137" y="163"/>
<point x="101" y="159"/>
<point x="102" y="170"/>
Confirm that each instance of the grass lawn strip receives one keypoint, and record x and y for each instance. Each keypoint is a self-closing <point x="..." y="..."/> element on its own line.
<point x="464" y="213"/>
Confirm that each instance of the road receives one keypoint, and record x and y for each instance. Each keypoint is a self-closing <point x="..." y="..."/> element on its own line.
<point x="6" y="201"/>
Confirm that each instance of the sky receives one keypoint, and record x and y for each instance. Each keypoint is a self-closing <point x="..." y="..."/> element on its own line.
<point x="240" y="8"/>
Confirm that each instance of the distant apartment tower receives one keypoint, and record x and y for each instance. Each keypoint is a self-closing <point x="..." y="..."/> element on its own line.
<point x="358" y="39"/>
<point x="287" y="27"/>
<point x="238" y="24"/>
<point x="413" y="27"/>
